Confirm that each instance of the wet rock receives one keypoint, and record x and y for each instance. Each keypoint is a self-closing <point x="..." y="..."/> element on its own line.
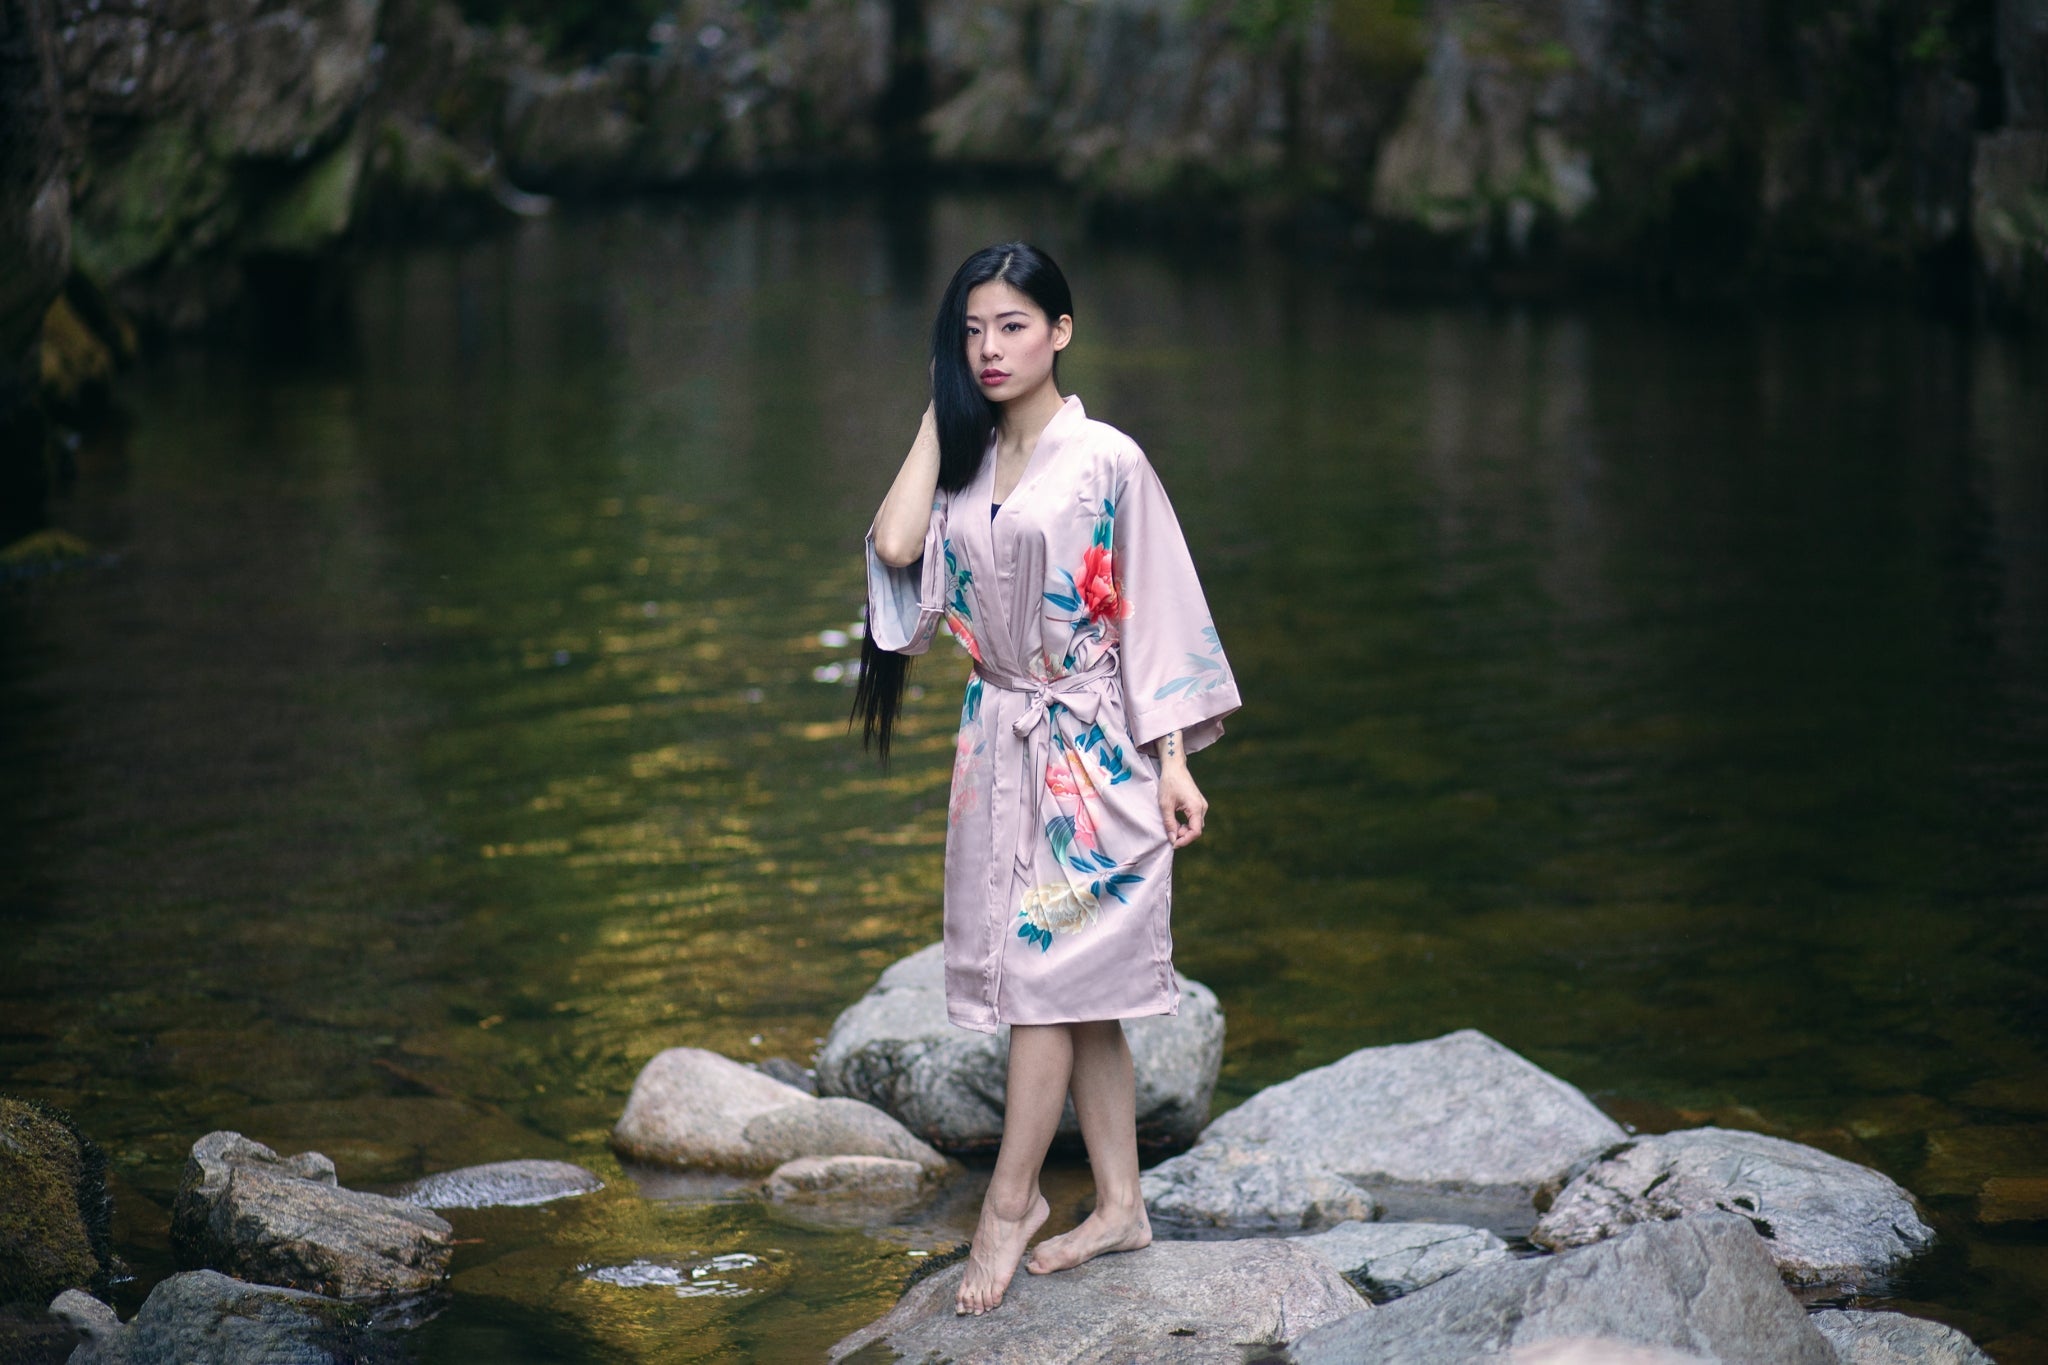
<point x="1171" y="1301"/>
<point x="1704" y="1285"/>
<point x="1824" y="1220"/>
<point x="55" y="1215"/>
<point x="1457" y="1124"/>
<point x="869" y="1181"/>
<point x="693" y="1108"/>
<point x="1388" y="1260"/>
<point x="500" y="1184"/>
<point x="205" y="1318"/>
<point x="895" y="1049"/>
<point x="1861" y="1338"/>
<point x="243" y="1209"/>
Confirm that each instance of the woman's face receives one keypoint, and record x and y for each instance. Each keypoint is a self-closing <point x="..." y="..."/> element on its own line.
<point x="1010" y="342"/>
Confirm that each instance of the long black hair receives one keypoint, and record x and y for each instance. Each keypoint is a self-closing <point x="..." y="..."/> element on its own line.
<point x="964" y="418"/>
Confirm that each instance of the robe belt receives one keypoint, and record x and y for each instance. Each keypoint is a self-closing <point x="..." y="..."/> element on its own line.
<point x="1075" y="691"/>
<point x="1078" y="692"/>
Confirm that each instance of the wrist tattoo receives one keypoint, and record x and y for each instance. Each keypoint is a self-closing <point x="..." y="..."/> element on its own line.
<point x="1170" y="749"/>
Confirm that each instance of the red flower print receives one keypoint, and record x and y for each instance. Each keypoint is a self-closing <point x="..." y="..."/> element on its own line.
<point x="1100" y="595"/>
<point x="958" y="626"/>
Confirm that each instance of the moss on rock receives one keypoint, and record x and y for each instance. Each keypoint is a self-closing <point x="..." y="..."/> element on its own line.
<point x="56" y="1218"/>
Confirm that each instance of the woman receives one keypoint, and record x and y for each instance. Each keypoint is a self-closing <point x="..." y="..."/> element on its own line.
<point x="1046" y="542"/>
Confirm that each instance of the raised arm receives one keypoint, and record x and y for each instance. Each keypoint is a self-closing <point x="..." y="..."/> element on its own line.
<point x="907" y="511"/>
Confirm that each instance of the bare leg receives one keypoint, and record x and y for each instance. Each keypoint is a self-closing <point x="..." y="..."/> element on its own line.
<point x="1106" y="1102"/>
<point x="1041" y="1062"/>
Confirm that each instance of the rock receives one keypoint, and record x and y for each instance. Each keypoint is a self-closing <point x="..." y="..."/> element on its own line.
<point x="55" y="1216"/>
<point x="1861" y="1338"/>
<point x="1703" y="1285"/>
<point x="1171" y="1301"/>
<point x="789" y="1073"/>
<point x="205" y="1318"/>
<point x="500" y="1184"/>
<point x="895" y="1049"/>
<point x="1482" y="155"/>
<point x="1387" y="1260"/>
<point x="1253" y="1187"/>
<point x="1824" y="1220"/>
<point x="864" y="1180"/>
<point x="1457" y="1123"/>
<point x="2013" y="1199"/>
<point x="35" y="192"/>
<point x="2009" y="217"/>
<point x="243" y="1209"/>
<point x="693" y="1108"/>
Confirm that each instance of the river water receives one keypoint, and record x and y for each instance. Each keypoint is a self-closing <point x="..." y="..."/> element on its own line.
<point x="462" y="724"/>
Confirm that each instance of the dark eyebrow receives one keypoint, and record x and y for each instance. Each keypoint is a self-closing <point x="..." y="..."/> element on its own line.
<point x="1007" y="313"/>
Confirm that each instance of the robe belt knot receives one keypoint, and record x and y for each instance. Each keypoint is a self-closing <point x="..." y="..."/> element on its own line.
<point x="1076" y="691"/>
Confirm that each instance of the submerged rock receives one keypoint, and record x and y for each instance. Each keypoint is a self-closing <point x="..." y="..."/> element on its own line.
<point x="693" y="1108"/>
<point x="1171" y="1301"/>
<point x="500" y="1184"/>
<point x="1824" y="1220"/>
<point x="1894" y="1339"/>
<point x="243" y="1209"/>
<point x="895" y="1049"/>
<point x="1388" y="1260"/>
<point x="55" y="1216"/>
<point x="205" y="1318"/>
<point x="1454" y="1123"/>
<point x="1704" y="1286"/>
<point x="861" y="1180"/>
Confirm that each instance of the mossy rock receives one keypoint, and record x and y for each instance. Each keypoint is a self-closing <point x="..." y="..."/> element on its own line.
<point x="56" y="1218"/>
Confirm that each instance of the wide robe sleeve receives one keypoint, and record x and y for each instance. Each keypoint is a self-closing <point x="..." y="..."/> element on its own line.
<point x="905" y="604"/>
<point x="1175" y="675"/>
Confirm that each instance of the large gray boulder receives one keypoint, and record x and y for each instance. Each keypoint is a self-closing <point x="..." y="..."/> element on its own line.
<point x="698" y="1110"/>
<point x="1388" y="1260"/>
<point x="1171" y="1301"/>
<point x="500" y="1184"/>
<point x="1824" y="1220"/>
<point x="205" y="1318"/>
<point x="895" y="1048"/>
<point x="1861" y="1338"/>
<point x="1705" y="1286"/>
<point x="1457" y="1124"/>
<point x="243" y="1209"/>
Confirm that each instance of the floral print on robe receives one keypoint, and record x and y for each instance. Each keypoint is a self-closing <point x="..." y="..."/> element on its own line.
<point x="1080" y="606"/>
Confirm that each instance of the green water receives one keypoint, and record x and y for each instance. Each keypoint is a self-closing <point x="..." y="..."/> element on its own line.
<point x="1663" y="696"/>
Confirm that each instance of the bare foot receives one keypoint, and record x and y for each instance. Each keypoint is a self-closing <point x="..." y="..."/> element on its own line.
<point x="1104" y="1230"/>
<point x="998" y="1245"/>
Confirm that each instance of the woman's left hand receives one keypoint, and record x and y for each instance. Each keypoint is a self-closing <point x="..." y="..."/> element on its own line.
<point x="1178" y="796"/>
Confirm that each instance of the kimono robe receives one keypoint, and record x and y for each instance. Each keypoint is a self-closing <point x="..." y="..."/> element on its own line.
<point x="1079" y="604"/>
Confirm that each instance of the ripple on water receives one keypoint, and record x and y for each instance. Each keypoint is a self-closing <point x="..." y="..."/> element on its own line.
<point x="701" y="1279"/>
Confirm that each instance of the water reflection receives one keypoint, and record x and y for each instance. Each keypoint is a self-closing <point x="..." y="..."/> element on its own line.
<point x="1663" y="699"/>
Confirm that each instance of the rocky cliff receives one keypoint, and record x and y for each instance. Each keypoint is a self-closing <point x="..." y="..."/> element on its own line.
<point x="167" y="150"/>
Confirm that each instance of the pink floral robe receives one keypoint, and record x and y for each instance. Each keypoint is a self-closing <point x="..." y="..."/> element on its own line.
<point x="1091" y="639"/>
